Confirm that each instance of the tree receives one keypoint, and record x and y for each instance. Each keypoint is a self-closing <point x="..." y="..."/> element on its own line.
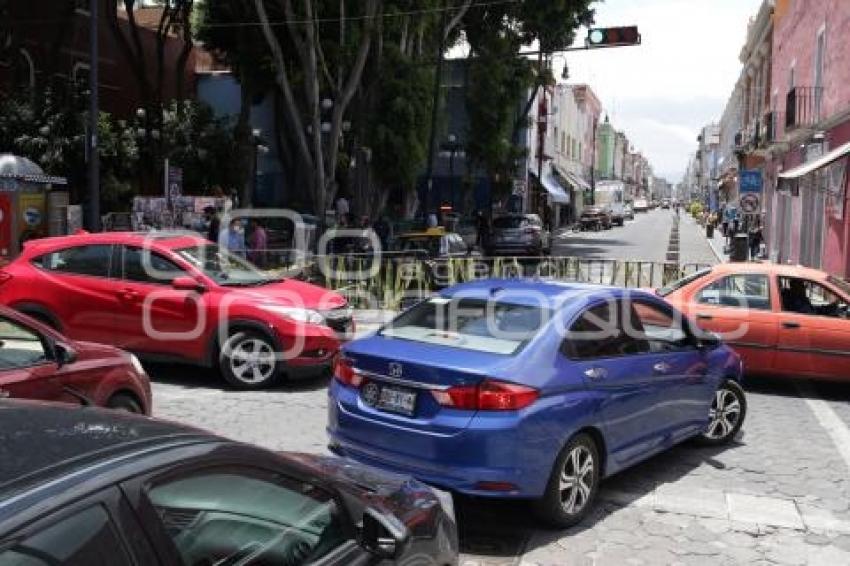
<point x="244" y="51"/>
<point x="321" y="77"/>
<point x="50" y="132"/>
<point x="499" y="78"/>
<point x="200" y="144"/>
<point x="175" y="20"/>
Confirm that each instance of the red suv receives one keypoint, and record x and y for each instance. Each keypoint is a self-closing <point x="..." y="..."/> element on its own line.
<point x="36" y="362"/>
<point x="176" y="296"/>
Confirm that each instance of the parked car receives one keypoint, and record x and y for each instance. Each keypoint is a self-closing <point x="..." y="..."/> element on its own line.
<point x="177" y="296"/>
<point x="118" y="489"/>
<point x="783" y="320"/>
<point x="531" y="390"/>
<point x="628" y="211"/>
<point x="37" y="362"/>
<point x="595" y="218"/>
<point x="519" y="235"/>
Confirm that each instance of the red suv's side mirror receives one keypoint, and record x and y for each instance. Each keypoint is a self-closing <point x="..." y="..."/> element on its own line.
<point x="187" y="284"/>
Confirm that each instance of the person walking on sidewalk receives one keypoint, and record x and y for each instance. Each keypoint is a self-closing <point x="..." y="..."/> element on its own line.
<point x="755" y="240"/>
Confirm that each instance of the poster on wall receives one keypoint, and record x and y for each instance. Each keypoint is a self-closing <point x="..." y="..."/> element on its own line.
<point x="5" y="224"/>
<point x="836" y="183"/>
<point x="32" y="215"/>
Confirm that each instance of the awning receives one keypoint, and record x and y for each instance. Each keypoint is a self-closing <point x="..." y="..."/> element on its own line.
<point x="822" y="161"/>
<point x="575" y="180"/>
<point x="553" y="186"/>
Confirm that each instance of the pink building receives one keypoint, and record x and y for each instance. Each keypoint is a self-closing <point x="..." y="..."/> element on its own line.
<point x="806" y="175"/>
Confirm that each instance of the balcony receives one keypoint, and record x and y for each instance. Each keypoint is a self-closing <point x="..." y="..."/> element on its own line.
<point x="803" y="106"/>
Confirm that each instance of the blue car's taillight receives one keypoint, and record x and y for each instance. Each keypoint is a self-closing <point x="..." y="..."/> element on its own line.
<point x="345" y="373"/>
<point x="489" y="395"/>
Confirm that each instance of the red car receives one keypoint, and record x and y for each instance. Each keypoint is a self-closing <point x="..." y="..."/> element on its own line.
<point x="36" y="362"/>
<point x="175" y="296"/>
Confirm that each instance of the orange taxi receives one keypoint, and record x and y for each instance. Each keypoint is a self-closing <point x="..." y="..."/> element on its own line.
<point x="783" y="320"/>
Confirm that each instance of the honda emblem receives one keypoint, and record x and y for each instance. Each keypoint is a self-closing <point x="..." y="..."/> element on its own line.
<point x="395" y="369"/>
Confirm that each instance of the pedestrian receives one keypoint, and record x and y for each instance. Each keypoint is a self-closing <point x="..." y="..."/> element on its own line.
<point x="258" y="241"/>
<point x="432" y="220"/>
<point x="755" y="241"/>
<point x="342" y="208"/>
<point x="382" y="230"/>
<point x="482" y="228"/>
<point x="233" y="238"/>
<point x="213" y="220"/>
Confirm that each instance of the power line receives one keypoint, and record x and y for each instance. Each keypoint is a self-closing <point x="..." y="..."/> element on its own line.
<point x="484" y="4"/>
<point x="314" y="21"/>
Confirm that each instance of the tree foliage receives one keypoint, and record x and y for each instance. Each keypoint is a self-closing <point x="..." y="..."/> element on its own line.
<point x="499" y="78"/>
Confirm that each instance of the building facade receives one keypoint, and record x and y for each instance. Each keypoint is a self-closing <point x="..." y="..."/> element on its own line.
<point x="46" y="45"/>
<point x="806" y="171"/>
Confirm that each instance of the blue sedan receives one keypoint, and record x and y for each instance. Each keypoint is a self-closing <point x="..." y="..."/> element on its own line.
<point x="532" y="389"/>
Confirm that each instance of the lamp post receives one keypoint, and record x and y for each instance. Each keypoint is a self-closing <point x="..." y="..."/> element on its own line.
<point x="93" y="209"/>
<point x="259" y="149"/>
<point x="452" y="146"/>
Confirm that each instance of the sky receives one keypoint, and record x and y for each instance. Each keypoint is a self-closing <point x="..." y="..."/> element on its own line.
<point x="662" y="92"/>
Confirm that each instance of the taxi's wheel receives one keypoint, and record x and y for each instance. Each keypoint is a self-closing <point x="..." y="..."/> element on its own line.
<point x="124" y="402"/>
<point x="726" y="415"/>
<point x="572" y="485"/>
<point x="248" y="360"/>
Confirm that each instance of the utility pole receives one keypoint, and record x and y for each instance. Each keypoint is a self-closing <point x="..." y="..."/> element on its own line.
<point x="435" y="109"/>
<point x="93" y="196"/>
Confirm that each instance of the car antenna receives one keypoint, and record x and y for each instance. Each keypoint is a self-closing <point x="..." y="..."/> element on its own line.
<point x="79" y="395"/>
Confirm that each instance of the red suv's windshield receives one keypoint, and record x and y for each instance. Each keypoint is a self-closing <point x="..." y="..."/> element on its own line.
<point x="224" y="267"/>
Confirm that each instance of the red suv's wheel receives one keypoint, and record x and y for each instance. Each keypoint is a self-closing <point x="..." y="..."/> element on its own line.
<point x="248" y="360"/>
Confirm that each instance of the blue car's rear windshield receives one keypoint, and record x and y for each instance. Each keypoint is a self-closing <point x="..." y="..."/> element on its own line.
<point x="493" y="327"/>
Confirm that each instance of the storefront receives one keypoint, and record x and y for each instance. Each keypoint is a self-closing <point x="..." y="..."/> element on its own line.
<point x="557" y="199"/>
<point x="811" y="201"/>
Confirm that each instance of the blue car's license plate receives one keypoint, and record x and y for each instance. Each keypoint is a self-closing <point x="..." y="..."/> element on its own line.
<point x="397" y="400"/>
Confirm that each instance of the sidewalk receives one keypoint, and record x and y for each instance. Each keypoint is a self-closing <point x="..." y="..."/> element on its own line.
<point x="718" y="246"/>
<point x="696" y="248"/>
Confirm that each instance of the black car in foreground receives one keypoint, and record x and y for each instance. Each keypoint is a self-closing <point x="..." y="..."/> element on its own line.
<point x="81" y="486"/>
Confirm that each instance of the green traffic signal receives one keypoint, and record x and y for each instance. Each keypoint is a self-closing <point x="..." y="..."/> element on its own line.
<point x="612" y="37"/>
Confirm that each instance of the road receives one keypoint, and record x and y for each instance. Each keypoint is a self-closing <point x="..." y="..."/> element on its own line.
<point x="779" y="495"/>
<point x="645" y="239"/>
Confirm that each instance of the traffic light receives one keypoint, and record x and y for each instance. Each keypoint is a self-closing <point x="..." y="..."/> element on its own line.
<point x="612" y="37"/>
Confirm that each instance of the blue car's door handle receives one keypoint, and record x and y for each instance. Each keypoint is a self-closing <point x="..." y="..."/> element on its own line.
<point x="596" y="373"/>
<point x="661" y="367"/>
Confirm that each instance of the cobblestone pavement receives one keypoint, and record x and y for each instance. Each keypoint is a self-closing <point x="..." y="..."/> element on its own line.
<point x="780" y="495"/>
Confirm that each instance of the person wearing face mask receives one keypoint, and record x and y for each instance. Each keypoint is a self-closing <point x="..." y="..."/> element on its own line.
<point x="233" y="238"/>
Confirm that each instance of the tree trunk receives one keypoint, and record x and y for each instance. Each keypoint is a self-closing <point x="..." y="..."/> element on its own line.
<point x="245" y="143"/>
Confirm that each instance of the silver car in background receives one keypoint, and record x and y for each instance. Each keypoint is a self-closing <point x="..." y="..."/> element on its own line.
<point x="519" y="234"/>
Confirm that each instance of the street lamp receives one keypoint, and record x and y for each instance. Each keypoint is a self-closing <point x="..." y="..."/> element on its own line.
<point x="452" y="146"/>
<point x="259" y="149"/>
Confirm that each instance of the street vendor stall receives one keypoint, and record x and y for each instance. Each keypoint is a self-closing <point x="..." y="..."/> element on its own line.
<point x="26" y="203"/>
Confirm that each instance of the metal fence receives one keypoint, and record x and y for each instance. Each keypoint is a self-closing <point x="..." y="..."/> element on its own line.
<point x="389" y="281"/>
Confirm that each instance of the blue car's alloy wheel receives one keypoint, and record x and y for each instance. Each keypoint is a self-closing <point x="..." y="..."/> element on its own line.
<point x="726" y="415"/>
<point x="572" y="485"/>
<point x="577" y="479"/>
